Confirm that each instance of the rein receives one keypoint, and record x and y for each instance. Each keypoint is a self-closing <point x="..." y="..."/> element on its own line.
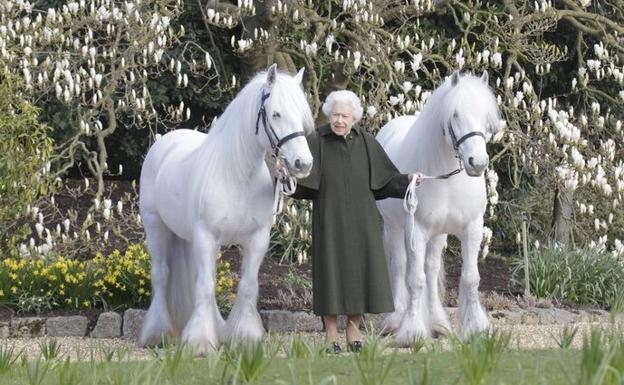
<point x="285" y="184"/>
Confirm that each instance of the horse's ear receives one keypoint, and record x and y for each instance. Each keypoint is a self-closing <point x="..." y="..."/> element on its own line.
<point x="485" y="77"/>
<point x="455" y="78"/>
<point x="299" y="76"/>
<point x="271" y="74"/>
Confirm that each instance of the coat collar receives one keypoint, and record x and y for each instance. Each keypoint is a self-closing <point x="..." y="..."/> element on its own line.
<point x="326" y="130"/>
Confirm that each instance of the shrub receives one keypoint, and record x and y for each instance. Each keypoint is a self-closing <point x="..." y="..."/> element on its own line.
<point x="581" y="276"/>
<point x="291" y="237"/>
<point x="35" y="285"/>
<point x="25" y="148"/>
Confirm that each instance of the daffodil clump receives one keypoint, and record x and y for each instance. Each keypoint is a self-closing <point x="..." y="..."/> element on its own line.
<point x="119" y="279"/>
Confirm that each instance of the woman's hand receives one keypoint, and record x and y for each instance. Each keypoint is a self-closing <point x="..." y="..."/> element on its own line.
<point x="419" y="178"/>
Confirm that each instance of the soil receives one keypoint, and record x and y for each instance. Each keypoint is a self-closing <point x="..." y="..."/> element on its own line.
<point x="282" y="286"/>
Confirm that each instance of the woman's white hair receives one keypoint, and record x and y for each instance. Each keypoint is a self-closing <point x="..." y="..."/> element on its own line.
<point x="343" y="96"/>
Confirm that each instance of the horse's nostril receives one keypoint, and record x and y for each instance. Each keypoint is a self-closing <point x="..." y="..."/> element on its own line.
<point x="471" y="161"/>
<point x="298" y="164"/>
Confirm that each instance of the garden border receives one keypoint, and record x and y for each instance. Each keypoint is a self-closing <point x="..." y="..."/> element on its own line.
<point x="128" y="325"/>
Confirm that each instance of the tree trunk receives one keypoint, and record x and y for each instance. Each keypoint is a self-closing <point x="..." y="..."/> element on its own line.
<point x="562" y="216"/>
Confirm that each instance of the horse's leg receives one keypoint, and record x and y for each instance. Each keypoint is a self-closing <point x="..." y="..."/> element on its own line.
<point x="472" y="316"/>
<point x="157" y="322"/>
<point x="413" y="326"/>
<point x="244" y="323"/>
<point x="201" y="331"/>
<point x="433" y="263"/>
<point x="395" y="249"/>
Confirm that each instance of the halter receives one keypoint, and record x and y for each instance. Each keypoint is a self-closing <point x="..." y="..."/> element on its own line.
<point x="285" y="184"/>
<point x="276" y="142"/>
<point x="456" y="144"/>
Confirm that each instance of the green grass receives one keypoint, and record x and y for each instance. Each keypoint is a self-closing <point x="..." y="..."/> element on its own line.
<point x="515" y="367"/>
<point x="484" y="360"/>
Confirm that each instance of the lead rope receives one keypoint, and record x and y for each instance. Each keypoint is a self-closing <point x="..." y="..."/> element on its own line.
<point x="285" y="185"/>
<point x="410" y="203"/>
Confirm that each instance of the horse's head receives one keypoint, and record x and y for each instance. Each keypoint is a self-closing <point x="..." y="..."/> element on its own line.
<point x="285" y="117"/>
<point x="472" y="118"/>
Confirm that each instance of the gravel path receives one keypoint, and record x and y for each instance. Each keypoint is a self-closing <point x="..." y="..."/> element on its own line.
<point x="522" y="337"/>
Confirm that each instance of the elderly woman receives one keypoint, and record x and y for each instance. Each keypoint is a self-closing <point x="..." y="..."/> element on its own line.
<point x="351" y="170"/>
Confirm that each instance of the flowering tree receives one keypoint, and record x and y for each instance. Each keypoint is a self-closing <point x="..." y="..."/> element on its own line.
<point x="555" y="67"/>
<point x="95" y="62"/>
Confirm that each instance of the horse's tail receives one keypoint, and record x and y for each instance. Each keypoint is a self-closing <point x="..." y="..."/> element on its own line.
<point x="180" y="293"/>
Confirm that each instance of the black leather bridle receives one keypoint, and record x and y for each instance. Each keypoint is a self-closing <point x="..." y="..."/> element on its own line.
<point x="274" y="139"/>
<point x="456" y="144"/>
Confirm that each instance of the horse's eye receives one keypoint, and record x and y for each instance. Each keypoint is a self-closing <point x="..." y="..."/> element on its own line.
<point x="276" y="115"/>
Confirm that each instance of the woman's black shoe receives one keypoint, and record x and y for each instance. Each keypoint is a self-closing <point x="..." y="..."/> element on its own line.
<point x="334" y="348"/>
<point x="354" y="347"/>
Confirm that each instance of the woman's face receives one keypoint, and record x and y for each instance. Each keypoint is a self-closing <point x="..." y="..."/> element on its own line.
<point x="341" y="118"/>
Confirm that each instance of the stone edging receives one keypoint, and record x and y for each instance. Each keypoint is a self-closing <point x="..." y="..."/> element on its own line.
<point x="128" y="326"/>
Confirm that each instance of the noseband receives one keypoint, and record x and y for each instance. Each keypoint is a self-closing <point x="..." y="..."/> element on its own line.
<point x="456" y="144"/>
<point x="274" y="139"/>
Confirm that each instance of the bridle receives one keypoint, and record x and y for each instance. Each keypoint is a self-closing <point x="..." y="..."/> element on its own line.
<point x="285" y="184"/>
<point x="456" y="144"/>
<point x="274" y="139"/>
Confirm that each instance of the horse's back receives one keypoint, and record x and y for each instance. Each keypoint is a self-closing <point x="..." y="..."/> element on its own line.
<point x="177" y="143"/>
<point x="392" y="134"/>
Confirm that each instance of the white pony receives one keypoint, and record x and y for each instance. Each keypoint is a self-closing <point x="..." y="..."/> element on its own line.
<point x="449" y="135"/>
<point x="200" y="191"/>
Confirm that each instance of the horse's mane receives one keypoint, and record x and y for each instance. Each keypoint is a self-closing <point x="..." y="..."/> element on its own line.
<point x="231" y="148"/>
<point x="471" y="95"/>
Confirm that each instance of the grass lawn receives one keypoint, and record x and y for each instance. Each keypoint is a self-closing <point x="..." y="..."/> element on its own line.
<point x="558" y="366"/>
<point x="485" y="359"/>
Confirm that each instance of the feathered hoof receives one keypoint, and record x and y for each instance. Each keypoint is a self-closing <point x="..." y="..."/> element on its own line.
<point x="441" y="328"/>
<point x="243" y="328"/>
<point x="156" y="331"/>
<point x="201" y="345"/>
<point x="475" y="321"/>
<point x="200" y="337"/>
<point x="391" y="323"/>
<point x="405" y="338"/>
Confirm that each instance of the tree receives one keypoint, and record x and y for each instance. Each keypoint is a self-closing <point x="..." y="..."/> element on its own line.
<point x="93" y="64"/>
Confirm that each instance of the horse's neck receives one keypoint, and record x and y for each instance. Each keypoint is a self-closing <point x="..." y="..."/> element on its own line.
<point x="426" y="148"/>
<point x="237" y="155"/>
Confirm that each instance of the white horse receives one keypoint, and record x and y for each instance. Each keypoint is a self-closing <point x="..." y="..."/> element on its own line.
<point x="448" y="136"/>
<point x="200" y="191"/>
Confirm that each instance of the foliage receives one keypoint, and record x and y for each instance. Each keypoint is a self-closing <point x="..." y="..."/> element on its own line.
<point x="8" y="356"/>
<point x="92" y="66"/>
<point x="34" y="285"/>
<point x="291" y="237"/>
<point x="480" y="353"/>
<point x="25" y="148"/>
<point x="582" y="276"/>
<point x="599" y="361"/>
<point x="602" y="358"/>
<point x="371" y="364"/>
<point x="556" y="68"/>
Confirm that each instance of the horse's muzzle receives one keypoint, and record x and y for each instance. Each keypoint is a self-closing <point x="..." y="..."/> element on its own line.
<point x="476" y="168"/>
<point x="300" y="168"/>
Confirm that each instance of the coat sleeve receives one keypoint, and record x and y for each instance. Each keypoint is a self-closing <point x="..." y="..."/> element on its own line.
<point x="307" y="187"/>
<point x="386" y="180"/>
<point x="395" y="188"/>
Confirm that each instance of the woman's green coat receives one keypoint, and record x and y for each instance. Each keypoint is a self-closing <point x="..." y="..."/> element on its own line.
<point x="349" y="273"/>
